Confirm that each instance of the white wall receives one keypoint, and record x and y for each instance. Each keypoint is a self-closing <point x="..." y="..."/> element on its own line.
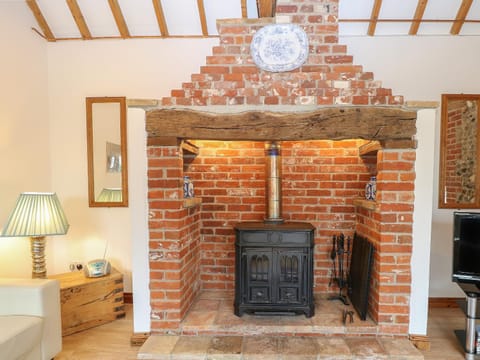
<point x="146" y="69"/>
<point x="422" y="219"/>
<point x="24" y="128"/>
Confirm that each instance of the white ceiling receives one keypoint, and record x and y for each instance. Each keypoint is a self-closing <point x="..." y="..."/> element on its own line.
<point x="182" y="17"/>
<point x="438" y="17"/>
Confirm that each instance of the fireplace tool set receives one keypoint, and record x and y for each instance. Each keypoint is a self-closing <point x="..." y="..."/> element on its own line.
<point x="340" y="255"/>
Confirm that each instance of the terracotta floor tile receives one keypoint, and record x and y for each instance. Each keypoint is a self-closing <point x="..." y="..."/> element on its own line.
<point x="298" y="348"/>
<point x="366" y="348"/>
<point x="157" y="348"/>
<point x="400" y="349"/>
<point x="328" y="347"/>
<point x="260" y="348"/>
<point x="191" y="348"/>
<point x="225" y="348"/>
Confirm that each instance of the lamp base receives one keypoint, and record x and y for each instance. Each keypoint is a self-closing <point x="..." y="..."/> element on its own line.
<point x="37" y="247"/>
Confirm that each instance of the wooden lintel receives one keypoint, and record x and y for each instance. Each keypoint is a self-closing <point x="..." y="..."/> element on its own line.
<point x="368" y="148"/>
<point x="163" y="141"/>
<point x="398" y="144"/>
<point x="370" y="123"/>
<point x="189" y="147"/>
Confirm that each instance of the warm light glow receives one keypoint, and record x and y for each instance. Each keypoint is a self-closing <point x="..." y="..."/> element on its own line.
<point x="37" y="215"/>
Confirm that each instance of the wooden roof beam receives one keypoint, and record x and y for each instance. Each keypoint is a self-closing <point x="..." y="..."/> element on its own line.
<point x="374" y="17"/>
<point x="461" y="16"/>
<point x="119" y="19"/>
<point x="203" y="17"/>
<point x="266" y="8"/>
<point x="417" y="18"/>
<point x="37" y="13"/>
<point x="243" y="4"/>
<point x="162" y="24"/>
<point x="79" y="19"/>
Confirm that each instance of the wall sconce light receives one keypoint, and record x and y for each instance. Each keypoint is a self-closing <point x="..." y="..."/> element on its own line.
<point x="36" y="215"/>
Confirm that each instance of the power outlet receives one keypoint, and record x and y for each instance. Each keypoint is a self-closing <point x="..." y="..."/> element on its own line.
<point x="75" y="266"/>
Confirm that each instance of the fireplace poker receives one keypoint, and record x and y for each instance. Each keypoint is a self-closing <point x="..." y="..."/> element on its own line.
<point x="338" y="253"/>
<point x="333" y="254"/>
<point x="341" y="250"/>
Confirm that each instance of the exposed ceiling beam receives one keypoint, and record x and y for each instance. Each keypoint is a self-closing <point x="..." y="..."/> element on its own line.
<point x="79" y="19"/>
<point x="431" y="21"/>
<point x="461" y="15"/>
<point x="37" y="13"/>
<point x="243" y="4"/>
<point x="374" y="17"/>
<point x="119" y="19"/>
<point x="421" y="5"/>
<point x="203" y="17"/>
<point x="266" y="8"/>
<point x="162" y="24"/>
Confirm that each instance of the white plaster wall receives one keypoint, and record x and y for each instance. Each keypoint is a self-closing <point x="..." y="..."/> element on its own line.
<point x="24" y="128"/>
<point x="422" y="220"/>
<point x="145" y="69"/>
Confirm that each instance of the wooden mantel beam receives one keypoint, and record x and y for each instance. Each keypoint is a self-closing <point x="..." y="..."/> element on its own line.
<point x="371" y="123"/>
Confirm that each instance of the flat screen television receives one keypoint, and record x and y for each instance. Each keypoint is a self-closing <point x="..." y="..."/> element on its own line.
<point x="466" y="247"/>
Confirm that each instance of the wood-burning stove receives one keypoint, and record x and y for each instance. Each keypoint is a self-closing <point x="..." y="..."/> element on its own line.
<point x="274" y="268"/>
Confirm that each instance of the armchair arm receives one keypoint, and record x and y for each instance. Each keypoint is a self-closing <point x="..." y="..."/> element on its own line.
<point x="37" y="297"/>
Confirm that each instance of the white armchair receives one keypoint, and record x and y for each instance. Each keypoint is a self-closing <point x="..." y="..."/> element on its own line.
<point x="30" y="320"/>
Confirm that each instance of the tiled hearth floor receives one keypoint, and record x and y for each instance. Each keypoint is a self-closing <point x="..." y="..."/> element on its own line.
<point x="211" y="331"/>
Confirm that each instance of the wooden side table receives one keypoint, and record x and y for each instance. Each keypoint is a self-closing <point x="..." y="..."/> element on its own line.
<point x="88" y="302"/>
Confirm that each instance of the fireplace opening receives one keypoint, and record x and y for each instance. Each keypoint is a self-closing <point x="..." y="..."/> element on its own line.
<point x="323" y="184"/>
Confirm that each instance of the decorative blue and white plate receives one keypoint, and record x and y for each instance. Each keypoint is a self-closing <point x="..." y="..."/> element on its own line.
<point x="279" y="47"/>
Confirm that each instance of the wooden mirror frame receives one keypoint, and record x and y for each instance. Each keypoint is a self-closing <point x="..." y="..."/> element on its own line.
<point x="91" y="151"/>
<point x="459" y="186"/>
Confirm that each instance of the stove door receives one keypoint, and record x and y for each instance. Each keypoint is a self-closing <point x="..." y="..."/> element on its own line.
<point x="259" y="275"/>
<point x="290" y="275"/>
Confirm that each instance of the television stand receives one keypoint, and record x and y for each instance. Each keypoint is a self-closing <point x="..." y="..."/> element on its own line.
<point x="467" y="336"/>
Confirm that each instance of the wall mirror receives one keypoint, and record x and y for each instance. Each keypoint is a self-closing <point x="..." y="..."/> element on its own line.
<point x="459" y="152"/>
<point x="107" y="152"/>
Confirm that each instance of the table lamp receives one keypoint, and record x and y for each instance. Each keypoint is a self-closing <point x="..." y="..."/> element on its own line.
<point x="36" y="215"/>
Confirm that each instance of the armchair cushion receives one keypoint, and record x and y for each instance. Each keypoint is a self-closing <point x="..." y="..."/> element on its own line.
<point x="20" y="336"/>
<point x="34" y="299"/>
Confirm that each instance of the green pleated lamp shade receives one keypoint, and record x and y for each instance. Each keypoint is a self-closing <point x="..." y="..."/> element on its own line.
<point x="36" y="214"/>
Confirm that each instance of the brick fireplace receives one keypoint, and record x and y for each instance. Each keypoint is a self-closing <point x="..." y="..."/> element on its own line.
<point x="322" y="113"/>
